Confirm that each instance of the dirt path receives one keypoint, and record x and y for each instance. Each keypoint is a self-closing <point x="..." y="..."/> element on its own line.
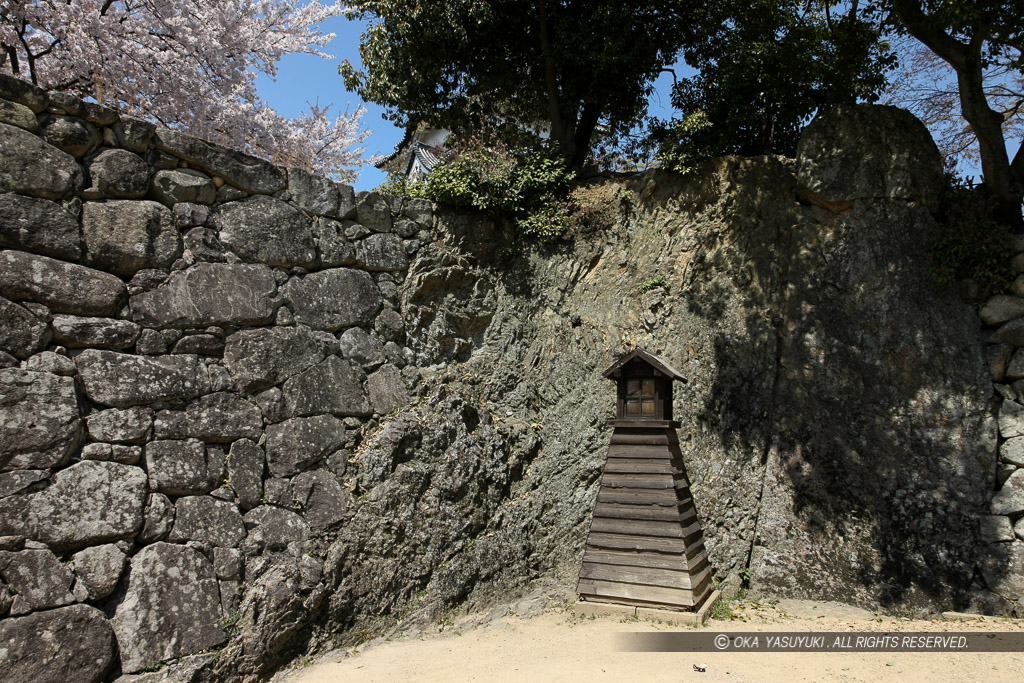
<point x="559" y="645"/>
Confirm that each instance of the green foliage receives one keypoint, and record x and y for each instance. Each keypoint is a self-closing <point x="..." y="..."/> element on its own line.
<point x="528" y="187"/>
<point x="968" y="243"/>
<point x="763" y="73"/>
<point x="510" y="67"/>
<point x="659" y="281"/>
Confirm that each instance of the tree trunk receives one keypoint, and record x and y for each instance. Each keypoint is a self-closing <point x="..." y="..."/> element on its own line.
<point x="584" y="134"/>
<point x="1005" y="183"/>
<point x="559" y="133"/>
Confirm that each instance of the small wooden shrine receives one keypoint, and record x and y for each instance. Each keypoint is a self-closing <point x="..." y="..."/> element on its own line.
<point x="645" y="546"/>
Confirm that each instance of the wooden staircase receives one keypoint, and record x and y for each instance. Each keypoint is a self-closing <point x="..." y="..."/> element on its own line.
<point x="645" y="546"/>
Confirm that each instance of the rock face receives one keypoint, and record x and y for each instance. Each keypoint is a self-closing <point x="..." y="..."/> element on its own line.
<point x="171" y="607"/>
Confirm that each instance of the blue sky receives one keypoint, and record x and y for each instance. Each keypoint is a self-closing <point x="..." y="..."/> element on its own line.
<point x="303" y="79"/>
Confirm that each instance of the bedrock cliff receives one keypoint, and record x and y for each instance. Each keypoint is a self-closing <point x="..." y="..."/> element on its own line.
<point x="247" y="413"/>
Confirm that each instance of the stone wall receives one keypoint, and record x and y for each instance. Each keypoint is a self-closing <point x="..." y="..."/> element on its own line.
<point x="191" y="340"/>
<point x="247" y="413"/>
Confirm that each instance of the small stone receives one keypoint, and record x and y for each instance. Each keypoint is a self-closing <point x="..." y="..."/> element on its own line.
<point x="1012" y="451"/>
<point x="1011" y="333"/>
<point x="386" y="389"/>
<point x="332" y="245"/>
<point x="389" y="325"/>
<point x="128" y="426"/>
<point x="360" y="348"/>
<point x="273" y="528"/>
<point x="346" y="201"/>
<point x="405" y="228"/>
<point x="319" y="498"/>
<point x="1009" y="500"/>
<point x="21" y="333"/>
<point x="296" y="444"/>
<point x="205" y="246"/>
<point x="99" y="568"/>
<point x="419" y="210"/>
<point x="150" y="343"/>
<point x="134" y="134"/>
<point x="271" y="402"/>
<point x="95" y="451"/>
<point x="245" y="463"/>
<point x="19" y="115"/>
<point x="16" y="482"/>
<point x="1011" y="419"/>
<point x="227" y="564"/>
<point x="159" y="519"/>
<point x="54" y="363"/>
<point x="207" y="520"/>
<point x="200" y="344"/>
<point x="382" y="252"/>
<point x="128" y="455"/>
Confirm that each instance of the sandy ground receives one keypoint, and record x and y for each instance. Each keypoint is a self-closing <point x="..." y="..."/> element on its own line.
<point x="561" y="645"/>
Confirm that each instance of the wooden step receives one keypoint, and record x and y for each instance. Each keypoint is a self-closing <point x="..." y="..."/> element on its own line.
<point x="637" y="527"/>
<point x="643" y="466"/>
<point x="631" y="591"/>
<point x="666" y="578"/>
<point x="643" y="481"/>
<point x="633" y="451"/>
<point x="664" y="513"/>
<point x="641" y="439"/>
<point x="634" y="496"/>
<point x="679" y="546"/>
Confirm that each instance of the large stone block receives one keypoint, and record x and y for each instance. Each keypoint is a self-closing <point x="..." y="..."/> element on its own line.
<point x="63" y="287"/>
<point x="175" y="185"/>
<point x="274" y="528"/>
<point x="209" y="294"/>
<point x="33" y="168"/>
<point x="86" y="504"/>
<point x="267" y="230"/>
<point x="40" y="419"/>
<point x="216" y="418"/>
<point x="103" y="333"/>
<point x="119" y="174"/>
<point x="180" y="468"/>
<point x="171" y="607"/>
<point x="23" y="92"/>
<point x="382" y="251"/>
<point x="299" y="443"/>
<point x="21" y="333"/>
<point x="207" y="520"/>
<point x="259" y="359"/>
<point x="18" y="115"/>
<point x="39" y="226"/>
<point x="72" y="643"/>
<point x="38" y="579"/>
<point x="867" y="151"/>
<point x="372" y="211"/>
<point x="241" y="170"/>
<point x="123" y="236"/>
<point x="70" y="134"/>
<point x="313" y="193"/>
<point x="334" y="299"/>
<point x="331" y="386"/>
<point x="121" y="379"/>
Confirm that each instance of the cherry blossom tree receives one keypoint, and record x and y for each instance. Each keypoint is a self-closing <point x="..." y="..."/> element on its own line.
<point x="188" y="64"/>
